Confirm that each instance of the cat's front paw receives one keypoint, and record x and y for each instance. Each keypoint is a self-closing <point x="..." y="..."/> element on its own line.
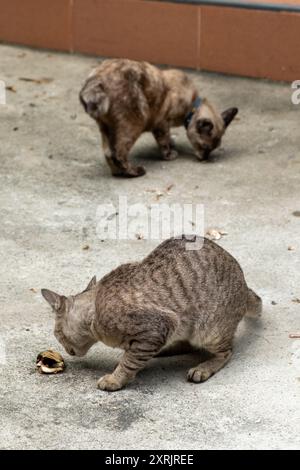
<point x="202" y="156"/>
<point x="109" y="383"/>
<point x="130" y="172"/>
<point x="199" y="374"/>
<point x="172" y="155"/>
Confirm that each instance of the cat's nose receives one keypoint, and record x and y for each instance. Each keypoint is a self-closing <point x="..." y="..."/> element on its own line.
<point x="205" y="147"/>
<point x="205" y="153"/>
<point x="71" y="352"/>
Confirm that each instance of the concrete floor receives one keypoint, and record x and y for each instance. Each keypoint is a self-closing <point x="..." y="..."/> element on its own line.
<point x="52" y="179"/>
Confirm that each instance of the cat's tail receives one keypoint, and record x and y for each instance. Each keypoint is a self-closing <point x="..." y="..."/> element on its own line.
<point x="254" y="304"/>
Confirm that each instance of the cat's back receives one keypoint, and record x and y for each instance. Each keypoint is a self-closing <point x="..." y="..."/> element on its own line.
<point x="194" y="259"/>
<point x="192" y="249"/>
<point x="192" y="271"/>
<point x="136" y="90"/>
<point x="125" y="75"/>
<point x="180" y="273"/>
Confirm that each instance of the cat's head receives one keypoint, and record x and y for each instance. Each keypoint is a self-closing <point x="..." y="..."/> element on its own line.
<point x="207" y="127"/>
<point x="73" y="316"/>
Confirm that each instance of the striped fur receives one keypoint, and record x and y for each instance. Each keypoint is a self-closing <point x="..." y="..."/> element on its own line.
<point x="174" y="296"/>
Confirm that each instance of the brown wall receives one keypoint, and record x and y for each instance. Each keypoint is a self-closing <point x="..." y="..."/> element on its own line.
<point x="40" y="23"/>
<point x="245" y="42"/>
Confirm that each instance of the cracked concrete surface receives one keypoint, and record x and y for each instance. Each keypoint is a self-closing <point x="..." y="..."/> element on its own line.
<point x="53" y="177"/>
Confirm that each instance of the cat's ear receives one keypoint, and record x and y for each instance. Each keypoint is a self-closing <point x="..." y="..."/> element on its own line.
<point x="229" y="115"/>
<point x="55" y="300"/>
<point x="92" y="283"/>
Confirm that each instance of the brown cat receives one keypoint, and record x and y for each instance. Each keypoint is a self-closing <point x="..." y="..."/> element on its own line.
<point x="174" y="295"/>
<point x="127" y="98"/>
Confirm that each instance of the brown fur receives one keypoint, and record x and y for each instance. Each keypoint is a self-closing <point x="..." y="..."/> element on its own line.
<point x="127" y="98"/>
<point x="174" y="297"/>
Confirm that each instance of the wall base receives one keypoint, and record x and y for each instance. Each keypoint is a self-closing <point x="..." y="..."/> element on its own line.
<point x="251" y="43"/>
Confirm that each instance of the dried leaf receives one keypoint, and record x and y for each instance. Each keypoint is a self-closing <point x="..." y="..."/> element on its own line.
<point x="159" y="194"/>
<point x="11" y="88"/>
<point x="170" y="187"/>
<point x="296" y="300"/>
<point x="150" y="190"/>
<point x="37" y="81"/>
<point x="86" y="247"/>
<point x="139" y="236"/>
<point x="215" y="234"/>
<point x="111" y="216"/>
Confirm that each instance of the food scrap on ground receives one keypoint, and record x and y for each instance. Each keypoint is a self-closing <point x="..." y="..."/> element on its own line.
<point x="50" y="362"/>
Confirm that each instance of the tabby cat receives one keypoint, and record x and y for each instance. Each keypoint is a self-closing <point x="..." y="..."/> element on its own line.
<point x="188" y="290"/>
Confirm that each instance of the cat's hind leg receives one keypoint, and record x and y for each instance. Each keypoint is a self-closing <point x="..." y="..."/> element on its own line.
<point x="117" y="144"/>
<point x="205" y="370"/>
